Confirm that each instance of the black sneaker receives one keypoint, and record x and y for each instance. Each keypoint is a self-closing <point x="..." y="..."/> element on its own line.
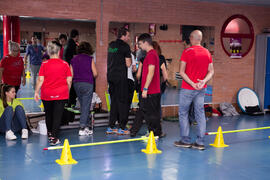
<point x="198" y="146"/>
<point x="50" y="137"/>
<point x="55" y="141"/>
<point x="182" y="144"/>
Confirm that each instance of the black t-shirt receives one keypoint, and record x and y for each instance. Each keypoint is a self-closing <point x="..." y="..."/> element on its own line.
<point x="162" y="60"/>
<point x="118" y="51"/>
<point x="70" y="50"/>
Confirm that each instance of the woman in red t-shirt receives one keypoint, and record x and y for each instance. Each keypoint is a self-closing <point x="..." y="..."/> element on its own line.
<point x="12" y="67"/>
<point x="54" y="81"/>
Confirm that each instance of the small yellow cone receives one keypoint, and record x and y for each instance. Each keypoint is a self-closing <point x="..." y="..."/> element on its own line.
<point x="151" y="147"/>
<point x="219" y="141"/>
<point x="135" y="97"/>
<point x="28" y="75"/>
<point x="41" y="105"/>
<point x="66" y="156"/>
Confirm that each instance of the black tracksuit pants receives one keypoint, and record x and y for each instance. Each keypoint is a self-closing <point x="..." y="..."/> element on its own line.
<point x="119" y="103"/>
<point x="149" y="109"/>
<point x="53" y="115"/>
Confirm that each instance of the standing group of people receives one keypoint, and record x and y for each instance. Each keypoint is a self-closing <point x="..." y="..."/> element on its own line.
<point x="70" y="72"/>
<point x="196" y="69"/>
<point x="60" y="72"/>
<point x="61" y="81"/>
<point x="121" y="88"/>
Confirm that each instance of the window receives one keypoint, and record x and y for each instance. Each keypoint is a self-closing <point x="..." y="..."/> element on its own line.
<point x="237" y="36"/>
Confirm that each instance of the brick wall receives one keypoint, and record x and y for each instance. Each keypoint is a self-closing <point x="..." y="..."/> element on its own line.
<point x="230" y="74"/>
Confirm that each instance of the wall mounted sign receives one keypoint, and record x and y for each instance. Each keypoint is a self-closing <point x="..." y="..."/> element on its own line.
<point x="152" y="29"/>
<point x="237" y="36"/>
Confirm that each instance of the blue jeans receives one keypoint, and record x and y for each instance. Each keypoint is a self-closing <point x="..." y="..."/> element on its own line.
<point x="84" y="92"/>
<point x="186" y="97"/>
<point x="10" y="122"/>
<point x="35" y="71"/>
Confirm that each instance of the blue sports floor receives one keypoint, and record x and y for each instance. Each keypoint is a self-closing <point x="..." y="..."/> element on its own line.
<point x="247" y="156"/>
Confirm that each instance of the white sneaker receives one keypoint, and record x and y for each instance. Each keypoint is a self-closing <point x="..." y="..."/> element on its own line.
<point x="85" y="132"/>
<point x="24" y="133"/>
<point x="10" y="135"/>
<point x="89" y="132"/>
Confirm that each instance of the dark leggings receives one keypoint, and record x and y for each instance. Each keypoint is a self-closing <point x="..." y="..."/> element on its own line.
<point x="53" y="114"/>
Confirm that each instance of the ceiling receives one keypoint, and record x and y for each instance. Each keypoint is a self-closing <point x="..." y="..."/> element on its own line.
<point x="246" y="2"/>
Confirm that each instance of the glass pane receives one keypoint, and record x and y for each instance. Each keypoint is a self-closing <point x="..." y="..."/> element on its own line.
<point x="245" y="45"/>
<point x="238" y="25"/>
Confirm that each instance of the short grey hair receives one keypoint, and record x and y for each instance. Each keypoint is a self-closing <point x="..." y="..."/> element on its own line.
<point x="13" y="46"/>
<point x="53" y="48"/>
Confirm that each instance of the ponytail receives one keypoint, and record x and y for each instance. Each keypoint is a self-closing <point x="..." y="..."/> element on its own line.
<point x="5" y="88"/>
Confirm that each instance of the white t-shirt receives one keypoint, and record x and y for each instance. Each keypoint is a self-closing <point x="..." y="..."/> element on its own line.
<point x="130" y="76"/>
<point x="94" y="57"/>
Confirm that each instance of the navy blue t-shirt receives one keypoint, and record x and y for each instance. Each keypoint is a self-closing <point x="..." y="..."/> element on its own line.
<point x="35" y="52"/>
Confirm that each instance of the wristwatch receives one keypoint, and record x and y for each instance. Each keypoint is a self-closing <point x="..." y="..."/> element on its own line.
<point x="145" y="89"/>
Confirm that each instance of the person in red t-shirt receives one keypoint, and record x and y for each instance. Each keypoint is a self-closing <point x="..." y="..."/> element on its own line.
<point x="12" y="67"/>
<point x="150" y="85"/>
<point x="196" y="69"/>
<point x="54" y="80"/>
<point x="63" y="41"/>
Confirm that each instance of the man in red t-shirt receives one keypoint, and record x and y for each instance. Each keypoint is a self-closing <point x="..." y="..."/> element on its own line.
<point x="63" y="41"/>
<point x="196" y="69"/>
<point x="150" y="85"/>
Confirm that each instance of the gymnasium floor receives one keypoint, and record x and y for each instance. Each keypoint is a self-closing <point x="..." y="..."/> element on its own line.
<point x="247" y="156"/>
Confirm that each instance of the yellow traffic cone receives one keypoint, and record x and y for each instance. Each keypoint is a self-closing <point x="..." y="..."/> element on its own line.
<point x="219" y="141"/>
<point x="151" y="147"/>
<point x="135" y="97"/>
<point x="41" y="105"/>
<point x="28" y="75"/>
<point x="66" y="156"/>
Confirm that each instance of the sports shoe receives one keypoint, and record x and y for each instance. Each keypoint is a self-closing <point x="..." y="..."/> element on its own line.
<point x="24" y="133"/>
<point x="89" y="131"/>
<point x="69" y="108"/>
<point x="147" y="134"/>
<point x="50" y="137"/>
<point x="111" y="130"/>
<point x="182" y="144"/>
<point x="55" y="141"/>
<point x="198" y="146"/>
<point x="75" y="110"/>
<point x="85" y="132"/>
<point x="123" y="131"/>
<point x="10" y="135"/>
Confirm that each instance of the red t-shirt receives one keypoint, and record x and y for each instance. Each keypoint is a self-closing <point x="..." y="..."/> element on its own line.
<point x="197" y="60"/>
<point x="61" y="54"/>
<point x="55" y="72"/>
<point x="151" y="59"/>
<point x="13" y="68"/>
